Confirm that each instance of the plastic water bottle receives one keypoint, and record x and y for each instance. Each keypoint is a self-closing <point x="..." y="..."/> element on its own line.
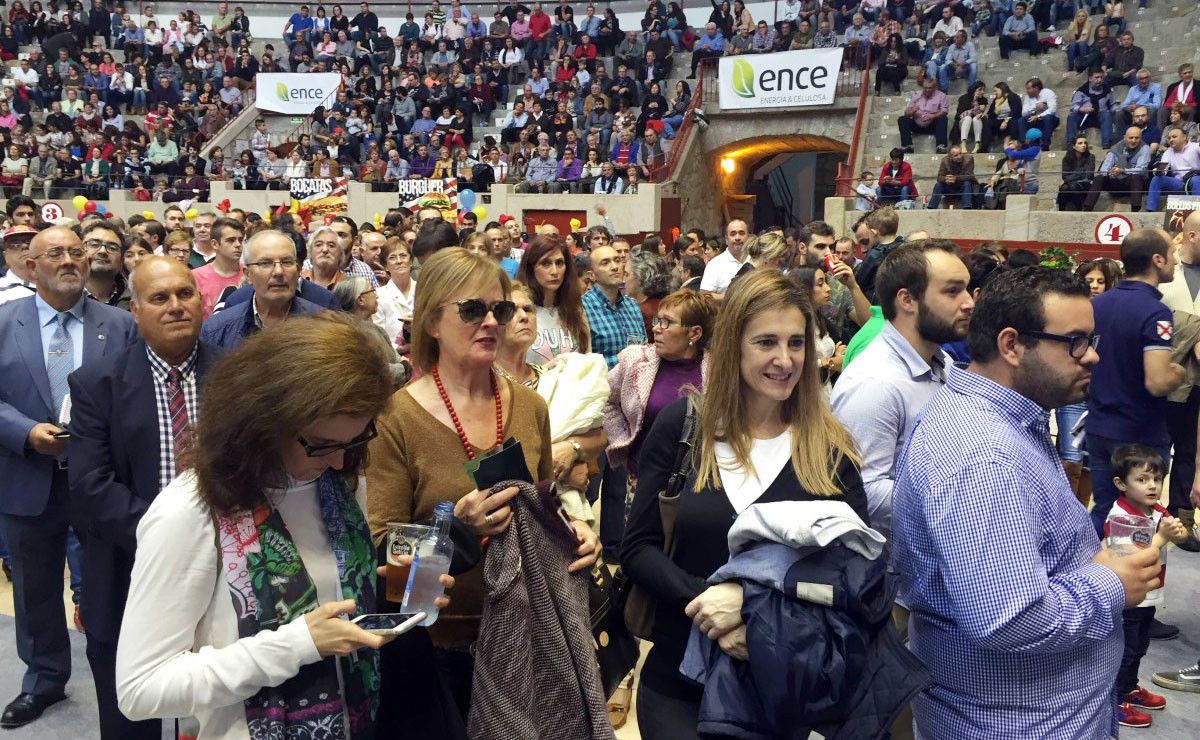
<point x="431" y="561"/>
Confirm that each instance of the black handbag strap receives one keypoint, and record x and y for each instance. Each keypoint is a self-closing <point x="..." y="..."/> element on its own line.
<point x="683" y="454"/>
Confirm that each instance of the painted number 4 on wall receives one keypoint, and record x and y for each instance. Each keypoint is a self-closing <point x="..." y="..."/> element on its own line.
<point x="1112" y="229"/>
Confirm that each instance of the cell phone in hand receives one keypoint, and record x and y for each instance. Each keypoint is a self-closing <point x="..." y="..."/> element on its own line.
<point x="389" y="624"/>
<point x="64" y="434"/>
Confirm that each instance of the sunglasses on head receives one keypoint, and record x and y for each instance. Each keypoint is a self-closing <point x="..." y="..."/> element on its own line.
<point x="474" y="310"/>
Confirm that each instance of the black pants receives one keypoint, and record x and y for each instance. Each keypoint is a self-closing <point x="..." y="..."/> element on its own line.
<point x="661" y="717"/>
<point x="457" y="669"/>
<point x="1030" y="43"/>
<point x="102" y="657"/>
<point x="37" y="554"/>
<point x="1137" y="641"/>
<point x="614" y="488"/>
<point x="909" y="126"/>
<point x="1181" y="425"/>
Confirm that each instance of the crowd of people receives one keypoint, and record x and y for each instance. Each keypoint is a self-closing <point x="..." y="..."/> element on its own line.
<point x="1148" y="131"/>
<point x="235" y="414"/>
<point x="106" y="99"/>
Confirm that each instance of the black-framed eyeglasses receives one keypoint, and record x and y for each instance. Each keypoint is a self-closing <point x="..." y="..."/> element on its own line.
<point x="474" y="310"/>
<point x="1077" y="344"/>
<point x="322" y="450"/>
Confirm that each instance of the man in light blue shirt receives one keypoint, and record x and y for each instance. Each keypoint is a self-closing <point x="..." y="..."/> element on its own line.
<point x="922" y="287"/>
<point x="1145" y="94"/>
<point x="1015" y="608"/>
<point x="540" y="172"/>
<point x="1019" y="32"/>
<point x="709" y="46"/>
<point x="961" y="62"/>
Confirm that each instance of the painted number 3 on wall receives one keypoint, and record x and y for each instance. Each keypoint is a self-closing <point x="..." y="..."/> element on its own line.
<point x="1112" y="229"/>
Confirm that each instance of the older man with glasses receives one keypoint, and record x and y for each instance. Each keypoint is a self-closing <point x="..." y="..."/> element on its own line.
<point x="274" y="274"/>
<point x="46" y="336"/>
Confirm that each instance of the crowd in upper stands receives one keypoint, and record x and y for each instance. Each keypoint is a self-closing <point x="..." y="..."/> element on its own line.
<point x="102" y="99"/>
<point x="1147" y="128"/>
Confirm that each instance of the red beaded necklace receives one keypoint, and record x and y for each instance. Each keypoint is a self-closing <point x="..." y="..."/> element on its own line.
<point x="462" y="435"/>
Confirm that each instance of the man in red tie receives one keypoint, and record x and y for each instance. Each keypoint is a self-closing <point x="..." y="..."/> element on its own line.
<point x="132" y="416"/>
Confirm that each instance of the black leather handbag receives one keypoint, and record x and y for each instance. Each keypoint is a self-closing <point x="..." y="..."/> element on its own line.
<point x="616" y="647"/>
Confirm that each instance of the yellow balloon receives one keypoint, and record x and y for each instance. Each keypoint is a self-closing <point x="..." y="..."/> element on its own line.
<point x="79" y="202"/>
<point x="575" y="224"/>
<point x="295" y="206"/>
<point x="191" y="213"/>
<point x="267" y="215"/>
<point x="480" y="212"/>
<point x="377" y="219"/>
<point x="148" y="215"/>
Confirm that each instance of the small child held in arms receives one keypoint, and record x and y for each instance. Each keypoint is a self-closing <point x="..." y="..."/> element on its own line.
<point x="1138" y="474"/>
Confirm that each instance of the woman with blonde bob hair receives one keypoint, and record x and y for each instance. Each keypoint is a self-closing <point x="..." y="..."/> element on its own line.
<point x="458" y="412"/>
<point x="764" y="434"/>
<point x="248" y="565"/>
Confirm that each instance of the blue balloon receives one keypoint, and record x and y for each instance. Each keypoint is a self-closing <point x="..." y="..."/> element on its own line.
<point x="466" y="199"/>
<point x="101" y="209"/>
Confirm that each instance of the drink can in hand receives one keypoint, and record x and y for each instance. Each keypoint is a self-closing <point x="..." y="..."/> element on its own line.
<point x="830" y="263"/>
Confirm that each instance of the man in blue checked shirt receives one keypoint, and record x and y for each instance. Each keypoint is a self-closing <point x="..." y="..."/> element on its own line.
<point x="614" y="318"/>
<point x="1015" y="608"/>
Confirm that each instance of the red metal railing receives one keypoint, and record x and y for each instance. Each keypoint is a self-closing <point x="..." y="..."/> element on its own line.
<point x="706" y="69"/>
<point x="846" y="171"/>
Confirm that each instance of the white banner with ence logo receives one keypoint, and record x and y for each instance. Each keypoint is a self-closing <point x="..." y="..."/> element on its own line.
<point x="786" y="79"/>
<point x="295" y="93"/>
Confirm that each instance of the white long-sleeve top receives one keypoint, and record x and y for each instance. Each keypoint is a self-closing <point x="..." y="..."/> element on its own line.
<point x="179" y="653"/>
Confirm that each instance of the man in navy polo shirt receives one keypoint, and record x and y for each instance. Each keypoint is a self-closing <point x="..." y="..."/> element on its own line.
<point x="1127" y="401"/>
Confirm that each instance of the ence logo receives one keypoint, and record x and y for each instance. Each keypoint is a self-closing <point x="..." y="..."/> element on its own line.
<point x="300" y="94"/>
<point x="743" y="78"/>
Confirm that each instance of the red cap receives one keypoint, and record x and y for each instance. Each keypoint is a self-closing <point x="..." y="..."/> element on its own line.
<point x="505" y="218"/>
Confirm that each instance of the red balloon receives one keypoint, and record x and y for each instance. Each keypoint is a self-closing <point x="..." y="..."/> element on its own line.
<point x="79" y="215"/>
<point x="90" y="207"/>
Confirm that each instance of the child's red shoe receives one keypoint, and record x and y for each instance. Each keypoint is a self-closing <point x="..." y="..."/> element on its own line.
<point x="1128" y="716"/>
<point x="1143" y="699"/>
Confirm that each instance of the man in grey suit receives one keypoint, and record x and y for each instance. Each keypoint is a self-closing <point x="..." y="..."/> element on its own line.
<point x="45" y="337"/>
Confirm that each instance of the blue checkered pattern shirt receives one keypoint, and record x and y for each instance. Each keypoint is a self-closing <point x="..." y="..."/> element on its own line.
<point x="614" y="326"/>
<point x="1021" y="631"/>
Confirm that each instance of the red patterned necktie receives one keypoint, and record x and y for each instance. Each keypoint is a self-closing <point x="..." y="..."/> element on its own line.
<point x="181" y="431"/>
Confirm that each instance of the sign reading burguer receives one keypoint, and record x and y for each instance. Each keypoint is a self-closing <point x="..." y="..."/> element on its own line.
<point x="786" y="79"/>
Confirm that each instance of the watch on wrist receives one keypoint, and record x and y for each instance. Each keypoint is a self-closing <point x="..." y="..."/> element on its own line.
<point x="578" y="450"/>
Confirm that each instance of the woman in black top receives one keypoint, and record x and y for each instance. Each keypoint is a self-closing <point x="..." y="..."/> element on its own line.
<point x="1078" y="168"/>
<point x="610" y="33"/>
<point x="764" y="434"/>
<point x="1004" y="109"/>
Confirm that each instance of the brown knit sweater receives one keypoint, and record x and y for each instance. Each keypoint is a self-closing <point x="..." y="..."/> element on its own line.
<point x="417" y="461"/>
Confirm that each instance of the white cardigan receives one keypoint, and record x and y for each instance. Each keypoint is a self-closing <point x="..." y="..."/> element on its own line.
<point x="179" y="654"/>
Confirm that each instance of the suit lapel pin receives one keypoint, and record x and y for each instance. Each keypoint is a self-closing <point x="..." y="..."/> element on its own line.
<point x="100" y="337"/>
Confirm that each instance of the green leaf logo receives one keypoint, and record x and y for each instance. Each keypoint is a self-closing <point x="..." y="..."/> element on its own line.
<point x="282" y="91"/>
<point x="743" y="78"/>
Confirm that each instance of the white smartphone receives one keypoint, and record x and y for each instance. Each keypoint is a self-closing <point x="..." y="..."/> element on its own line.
<point x="389" y="624"/>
